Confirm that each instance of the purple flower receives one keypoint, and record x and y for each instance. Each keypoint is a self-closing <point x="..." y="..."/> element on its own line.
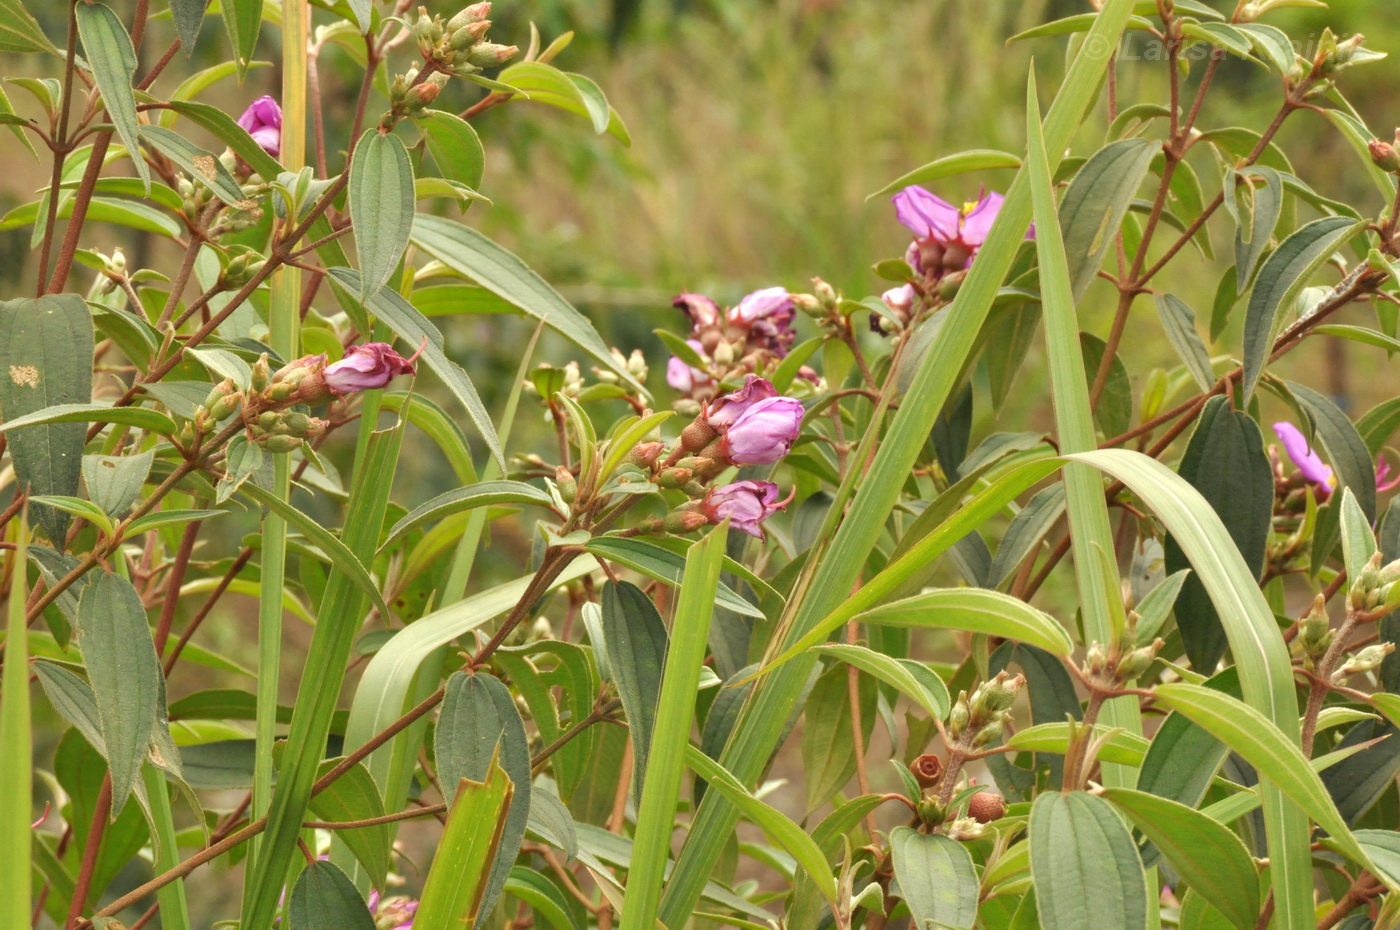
<point x="366" y="367"/>
<point x="746" y="503"/>
<point x="768" y="316"/>
<point x="703" y="312"/>
<point x="682" y="376"/>
<point x="1309" y="463"/>
<point x="764" y="433"/>
<point x="947" y="238"/>
<point x="1382" y="474"/>
<point x="394" y="913"/>
<point x="263" y="120"/>
<point x="727" y="409"/>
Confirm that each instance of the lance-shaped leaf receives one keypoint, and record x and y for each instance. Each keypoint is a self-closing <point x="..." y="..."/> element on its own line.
<point x="20" y="32"/>
<point x="961" y="163"/>
<point x="455" y="891"/>
<point x="1179" y="321"/>
<point x="125" y="672"/>
<point x="1346" y="450"/>
<point x="1208" y="855"/>
<point x="1225" y="461"/>
<point x="197" y="163"/>
<point x="936" y="879"/>
<point x="481" y="494"/>
<point x="1096" y="202"/>
<point x="675" y="716"/>
<point x="189" y="17"/>
<point x="45" y="361"/>
<point x="324" y="896"/>
<point x="974" y="610"/>
<point x="243" y="19"/>
<point x="479" y="729"/>
<point x="666" y="567"/>
<point x="914" y="680"/>
<point x="16" y="742"/>
<point x="1085" y="865"/>
<point x="1265" y="207"/>
<point x="381" y="207"/>
<point x="635" y="641"/>
<point x="468" y="252"/>
<point x="1280" y="279"/>
<point x="113" y="59"/>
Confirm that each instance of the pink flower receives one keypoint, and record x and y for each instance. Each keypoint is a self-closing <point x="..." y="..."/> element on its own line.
<point x="764" y="433"/>
<point x="899" y="299"/>
<point x="768" y="315"/>
<point x="682" y="376"/>
<point x="263" y="120"/>
<point x="946" y="237"/>
<point x="1383" y="473"/>
<point x="1309" y="463"/>
<point x="723" y="412"/>
<point x="395" y="913"/>
<point x="746" y="503"/>
<point x="703" y="312"/>
<point x="366" y="367"/>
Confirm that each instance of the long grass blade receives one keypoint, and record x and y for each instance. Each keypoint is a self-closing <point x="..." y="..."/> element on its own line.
<point x="16" y="774"/>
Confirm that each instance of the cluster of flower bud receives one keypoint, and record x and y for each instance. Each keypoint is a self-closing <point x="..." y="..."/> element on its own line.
<point x="1118" y="666"/>
<point x="979" y="720"/>
<point x="635" y="365"/>
<point x="1373" y="594"/>
<point x="459" y="46"/>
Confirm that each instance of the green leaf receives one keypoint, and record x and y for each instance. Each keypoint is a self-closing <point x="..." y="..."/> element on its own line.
<point x="45" y="361"/>
<point x="912" y="679"/>
<point x="1265" y="208"/>
<point x="1265" y="669"/>
<point x="200" y="165"/>
<point x="243" y="18"/>
<point x="1208" y="856"/>
<point x="974" y="610"/>
<point x="1179" y="321"/>
<point x="324" y="896"/>
<point x="351" y="797"/>
<point x="829" y="733"/>
<point x="1346" y="450"/>
<point x="1383" y="849"/>
<point x="456" y="885"/>
<point x="961" y="163"/>
<point x="20" y="32"/>
<point x="480" y="728"/>
<point x="1084" y="865"/>
<point x="575" y="93"/>
<point x="1220" y="35"/>
<point x="114" y="481"/>
<point x="1280" y="279"/>
<point x="1226" y="463"/>
<point x="1358" y="334"/>
<point x="1098" y="198"/>
<point x="227" y="130"/>
<point x="454" y="145"/>
<point x="1358" y="541"/>
<point x="339" y="554"/>
<point x="659" y="794"/>
<point x="780" y="828"/>
<point x="481" y="494"/>
<point x="1024" y="534"/>
<point x="1081" y="22"/>
<point x="140" y="417"/>
<point x="1279" y="760"/>
<point x="113" y="61"/>
<point x="411" y="326"/>
<point x="469" y="253"/>
<point x="381" y="207"/>
<point x="543" y="895"/>
<point x="663" y="565"/>
<point x="16" y="742"/>
<point x="635" y="642"/>
<point x="126" y="675"/>
<point x="1272" y="43"/>
<point x="1114" y="414"/>
<point x="936" y="879"/>
<point x="189" y="17"/>
<point x="859" y="514"/>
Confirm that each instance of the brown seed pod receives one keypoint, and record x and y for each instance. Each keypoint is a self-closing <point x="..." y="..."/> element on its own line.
<point x="927" y="770"/>
<point x="986" y="806"/>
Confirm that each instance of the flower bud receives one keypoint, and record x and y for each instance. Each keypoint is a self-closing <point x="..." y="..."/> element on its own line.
<point x="645" y="454"/>
<point x="475" y="13"/>
<point x="262" y="374"/>
<point x="927" y="770"/>
<point x="221" y="390"/>
<point x="698" y="435"/>
<point x="931" y="812"/>
<point x="682" y="521"/>
<point x="225" y="406"/>
<point x="295" y="423"/>
<point x="567" y="484"/>
<point x="490" y="55"/>
<point x="279" y="443"/>
<point x="986" y="806"/>
<point x="993" y="697"/>
<point x="1366" y="584"/>
<point x="1365" y="660"/>
<point x="674" y="477"/>
<point x="468" y="36"/>
<point x="808" y="305"/>
<point x="958" y="717"/>
<point x="723" y="353"/>
<point x="965" y="828"/>
<point x="825" y="293"/>
<point x="1137" y="661"/>
<point x="1384" y="155"/>
<point x="1315" y="630"/>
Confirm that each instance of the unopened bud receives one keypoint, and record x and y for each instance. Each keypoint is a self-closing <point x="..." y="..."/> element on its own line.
<point x="541" y="629"/>
<point x="645" y="454"/>
<point x="221" y="390"/>
<point x="825" y="293"/>
<point x="1137" y="661"/>
<point x="965" y="828"/>
<point x="262" y="374"/>
<point x="684" y="521"/>
<point x="490" y="55"/>
<point x="931" y="812"/>
<point x="723" y="353"/>
<point x="809" y="305"/>
<point x="697" y="435"/>
<point x="959" y="716"/>
<point x="279" y="443"/>
<point x="1315" y="630"/>
<point x="1366" y="659"/>
<point x="1366" y="583"/>
<point x="567" y="484"/>
<point x="1384" y="155"/>
<point x="993" y="697"/>
<point x="950" y="284"/>
<point x="225" y="406"/>
<point x="468" y="35"/>
<point x="674" y="477"/>
<point x="423" y="94"/>
<point x="472" y="14"/>
<point x="1095" y="659"/>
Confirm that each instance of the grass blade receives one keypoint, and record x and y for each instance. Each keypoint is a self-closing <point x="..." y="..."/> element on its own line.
<point x="16" y="775"/>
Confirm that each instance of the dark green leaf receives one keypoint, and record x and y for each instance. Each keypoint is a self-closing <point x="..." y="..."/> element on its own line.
<point x="1265" y="206"/>
<point x="1225" y="461"/>
<point x="1096" y="202"/>
<point x="200" y="165"/>
<point x="354" y="796"/>
<point x="109" y="51"/>
<point x="114" y="481"/>
<point x="936" y="879"/>
<point x="480" y="724"/>
<point x="125" y="672"/>
<point x="1114" y="414"/>
<point x="189" y="17"/>
<point x="1026" y="531"/>
<point x="243" y="19"/>
<point x="1345" y="448"/>
<point x="663" y="565"/>
<point x="381" y="207"/>
<point x="1282" y="276"/>
<point x="1179" y="321"/>
<point x="482" y="494"/>
<point x="1085" y="866"/>
<point x="46" y="359"/>
<point x="324" y="897"/>
<point x="635" y="641"/>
